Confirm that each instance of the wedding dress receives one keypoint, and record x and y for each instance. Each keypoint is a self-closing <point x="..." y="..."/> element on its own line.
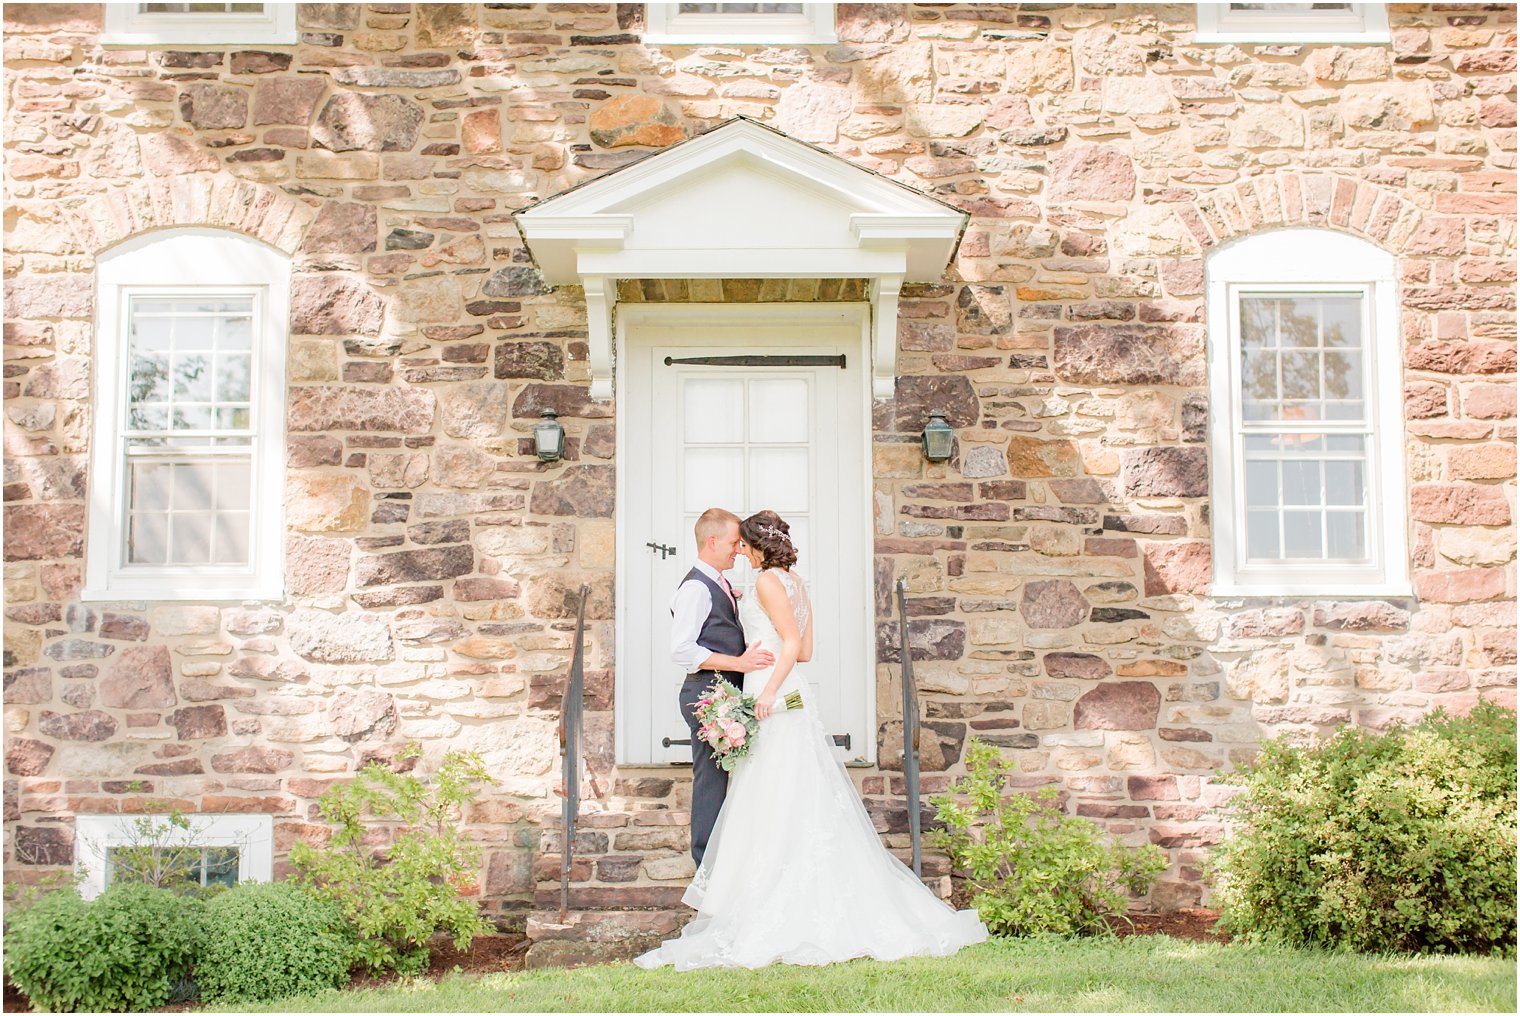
<point x="794" y="871"/>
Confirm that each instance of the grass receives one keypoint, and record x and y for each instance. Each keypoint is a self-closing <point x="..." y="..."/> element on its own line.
<point x="1142" y="973"/>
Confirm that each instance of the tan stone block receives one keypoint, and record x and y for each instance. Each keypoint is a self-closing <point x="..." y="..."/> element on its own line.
<point x="184" y="619"/>
<point x="1260" y="677"/>
<point x="325" y="503"/>
<point x="666" y="869"/>
<point x="897" y="461"/>
<point x="596" y="545"/>
<point x="312" y="360"/>
<point x="331" y="166"/>
<point x="1040" y="67"/>
<point x="1131" y="752"/>
<point x="1046" y="715"/>
<point x="1477" y="547"/>
<point x="993" y="631"/>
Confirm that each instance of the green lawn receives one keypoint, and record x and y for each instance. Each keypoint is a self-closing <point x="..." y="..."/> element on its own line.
<point x="1142" y="973"/>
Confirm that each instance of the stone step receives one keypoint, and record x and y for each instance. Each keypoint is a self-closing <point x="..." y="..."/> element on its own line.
<point x="598" y="936"/>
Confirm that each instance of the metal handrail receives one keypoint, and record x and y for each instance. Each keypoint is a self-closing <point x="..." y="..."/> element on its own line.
<point x="910" y="728"/>
<point x="571" y="731"/>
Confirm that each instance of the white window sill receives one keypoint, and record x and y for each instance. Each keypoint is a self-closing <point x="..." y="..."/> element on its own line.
<point x="1346" y="591"/>
<point x="739" y="40"/>
<point x="165" y="594"/>
<point x="1290" y="38"/>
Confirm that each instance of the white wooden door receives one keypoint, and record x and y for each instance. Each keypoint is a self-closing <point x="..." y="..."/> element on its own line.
<point x="744" y="437"/>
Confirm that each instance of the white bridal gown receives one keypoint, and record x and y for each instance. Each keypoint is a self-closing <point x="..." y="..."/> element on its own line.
<point x="794" y="871"/>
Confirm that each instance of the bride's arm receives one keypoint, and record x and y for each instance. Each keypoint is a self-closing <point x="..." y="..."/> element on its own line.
<point x="806" y="653"/>
<point x="773" y="600"/>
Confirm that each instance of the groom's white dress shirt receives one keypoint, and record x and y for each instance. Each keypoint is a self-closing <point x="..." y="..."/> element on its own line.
<point x="691" y="605"/>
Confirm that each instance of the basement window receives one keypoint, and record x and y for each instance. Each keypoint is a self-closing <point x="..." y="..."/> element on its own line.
<point x="200" y="24"/>
<point x="740" y="24"/>
<point x="205" y="851"/>
<point x="1292" y="23"/>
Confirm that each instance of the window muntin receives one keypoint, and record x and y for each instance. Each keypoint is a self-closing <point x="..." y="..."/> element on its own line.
<point x="740" y="24"/>
<point x="140" y="24"/>
<point x="1304" y="430"/>
<point x="1306" y="458"/>
<point x="189" y="422"/>
<point x="189" y="433"/>
<point x="204" y="867"/>
<point x="1292" y="22"/>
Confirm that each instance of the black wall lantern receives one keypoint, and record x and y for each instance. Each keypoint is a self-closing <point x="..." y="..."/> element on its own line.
<point x="939" y="437"/>
<point x="549" y="437"/>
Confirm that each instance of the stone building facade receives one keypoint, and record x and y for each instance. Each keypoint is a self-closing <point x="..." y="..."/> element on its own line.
<point x="1063" y="593"/>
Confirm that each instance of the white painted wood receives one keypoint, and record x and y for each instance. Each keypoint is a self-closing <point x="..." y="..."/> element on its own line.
<point x="1306" y="260"/>
<point x="94" y="835"/>
<point x="1362" y="23"/>
<point x="692" y="435"/>
<point x="192" y="261"/>
<point x="666" y="25"/>
<point x="741" y="201"/>
<point x="125" y="25"/>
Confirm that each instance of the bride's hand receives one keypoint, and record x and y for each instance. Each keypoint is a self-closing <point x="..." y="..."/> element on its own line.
<point x="764" y="706"/>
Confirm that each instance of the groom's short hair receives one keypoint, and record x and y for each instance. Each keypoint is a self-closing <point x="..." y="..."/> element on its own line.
<point x="712" y="523"/>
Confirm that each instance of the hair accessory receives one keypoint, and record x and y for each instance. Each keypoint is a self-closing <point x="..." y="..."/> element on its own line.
<point x="772" y="532"/>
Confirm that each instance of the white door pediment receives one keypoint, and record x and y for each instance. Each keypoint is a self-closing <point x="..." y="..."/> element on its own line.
<point x="741" y="201"/>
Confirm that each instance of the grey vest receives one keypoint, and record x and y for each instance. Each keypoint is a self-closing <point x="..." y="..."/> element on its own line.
<point x="720" y="632"/>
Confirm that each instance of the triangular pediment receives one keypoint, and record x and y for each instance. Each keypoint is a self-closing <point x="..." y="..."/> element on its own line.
<point x="741" y="200"/>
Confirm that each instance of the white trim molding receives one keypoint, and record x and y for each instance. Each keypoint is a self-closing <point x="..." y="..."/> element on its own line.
<point x="1356" y="23"/>
<point x="666" y="24"/>
<point x="184" y="265"/>
<point x="742" y="200"/>
<point x="127" y="24"/>
<point x="94" y="835"/>
<point x="1364" y="435"/>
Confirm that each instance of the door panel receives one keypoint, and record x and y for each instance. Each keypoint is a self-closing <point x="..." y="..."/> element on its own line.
<point x="746" y="438"/>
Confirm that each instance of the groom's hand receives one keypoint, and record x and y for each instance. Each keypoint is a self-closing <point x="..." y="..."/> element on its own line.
<point x="754" y="658"/>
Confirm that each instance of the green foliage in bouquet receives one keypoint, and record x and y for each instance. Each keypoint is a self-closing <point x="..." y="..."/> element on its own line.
<point x="1400" y="841"/>
<point x="425" y="879"/>
<point x="1032" y="868"/>
<point x="125" y="951"/>
<point x="268" y="940"/>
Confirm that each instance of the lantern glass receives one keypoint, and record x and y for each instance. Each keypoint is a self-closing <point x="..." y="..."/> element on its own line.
<point x="939" y="438"/>
<point x="549" y="437"/>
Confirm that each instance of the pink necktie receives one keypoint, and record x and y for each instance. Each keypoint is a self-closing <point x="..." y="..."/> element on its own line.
<point x="729" y="590"/>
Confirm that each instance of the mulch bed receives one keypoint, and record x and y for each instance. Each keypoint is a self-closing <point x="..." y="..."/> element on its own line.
<point x="499" y="953"/>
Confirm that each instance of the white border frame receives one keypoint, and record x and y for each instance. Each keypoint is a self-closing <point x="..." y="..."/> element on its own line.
<point x="95" y="834"/>
<point x="748" y="313"/>
<point x="124" y="26"/>
<point x="664" y="25"/>
<point x="1367" y="23"/>
<point x="1304" y="260"/>
<point x="193" y="257"/>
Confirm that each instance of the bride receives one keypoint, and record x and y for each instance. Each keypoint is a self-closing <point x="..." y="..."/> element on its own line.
<point x="794" y="871"/>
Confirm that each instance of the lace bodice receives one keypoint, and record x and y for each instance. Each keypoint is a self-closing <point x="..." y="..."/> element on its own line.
<point x="757" y="624"/>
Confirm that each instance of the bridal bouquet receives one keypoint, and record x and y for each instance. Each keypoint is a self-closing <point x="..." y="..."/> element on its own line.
<point x="726" y="721"/>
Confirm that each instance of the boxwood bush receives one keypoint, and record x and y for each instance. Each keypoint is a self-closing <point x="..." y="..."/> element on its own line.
<point x="1397" y="841"/>
<point x="267" y="940"/>
<point x="125" y="951"/>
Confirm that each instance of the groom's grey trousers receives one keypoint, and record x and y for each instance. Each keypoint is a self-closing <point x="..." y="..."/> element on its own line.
<point x="708" y="782"/>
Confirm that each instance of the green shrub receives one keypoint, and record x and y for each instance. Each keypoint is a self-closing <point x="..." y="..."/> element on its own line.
<point x="126" y="950"/>
<point x="396" y="902"/>
<point x="1032" y="868"/>
<point x="1401" y="841"/>
<point x="267" y="940"/>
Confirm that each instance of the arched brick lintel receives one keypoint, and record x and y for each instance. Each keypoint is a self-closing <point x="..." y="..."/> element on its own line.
<point x="1323" y="200"/>
<point x="194" y="199"/>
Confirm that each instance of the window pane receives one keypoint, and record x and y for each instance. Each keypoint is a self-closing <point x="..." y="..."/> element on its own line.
<point x="1301" y="483"/>
<point x="740" y="8"/>
<point x="148" y="539"/>
<point x="1347" y="535"/>
<point x="189" y="360"/>
<point x="1262" y="485"/>
<point x="1261" y="535"/>
<point x="713" y="476"/>
<point x="714" y="410"/>
<point x="220" y="866"/>
<point x="1301" y="358"/>
<point x="1343" y="483"/>
<point x="1301" y="534"/>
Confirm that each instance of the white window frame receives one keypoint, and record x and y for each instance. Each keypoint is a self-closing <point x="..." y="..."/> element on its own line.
<point x="1306" y="260"/>
<point x="665" y="25"/>
<point x="95" y="835"/>
<point x="125" y="26"/>
<point x="196" y="259"/>
<point x="1366" y="23"/>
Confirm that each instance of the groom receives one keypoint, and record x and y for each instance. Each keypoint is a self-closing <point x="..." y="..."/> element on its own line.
<point x="706" y="637"/>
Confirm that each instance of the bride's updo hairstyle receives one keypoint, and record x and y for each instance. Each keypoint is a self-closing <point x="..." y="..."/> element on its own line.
<point x="767" y="532"/>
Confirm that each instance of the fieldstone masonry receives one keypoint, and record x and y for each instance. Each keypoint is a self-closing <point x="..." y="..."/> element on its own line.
<point x="1059" y="563"/>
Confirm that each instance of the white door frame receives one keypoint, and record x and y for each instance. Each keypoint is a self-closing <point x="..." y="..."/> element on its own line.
<point x="747" y="314"/>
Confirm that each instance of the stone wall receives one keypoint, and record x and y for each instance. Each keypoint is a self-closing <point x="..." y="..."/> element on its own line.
<point x="1059" y="563"/>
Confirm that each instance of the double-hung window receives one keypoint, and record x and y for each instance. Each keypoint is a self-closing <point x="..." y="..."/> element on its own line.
<point x="740" y="24"/>
<point x="186" y="482"/>
<point x="1307" y="444"/>
<point x="202" y="850"/>
<point x="133" y="24"/>
<point x="1292" y="23"/>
